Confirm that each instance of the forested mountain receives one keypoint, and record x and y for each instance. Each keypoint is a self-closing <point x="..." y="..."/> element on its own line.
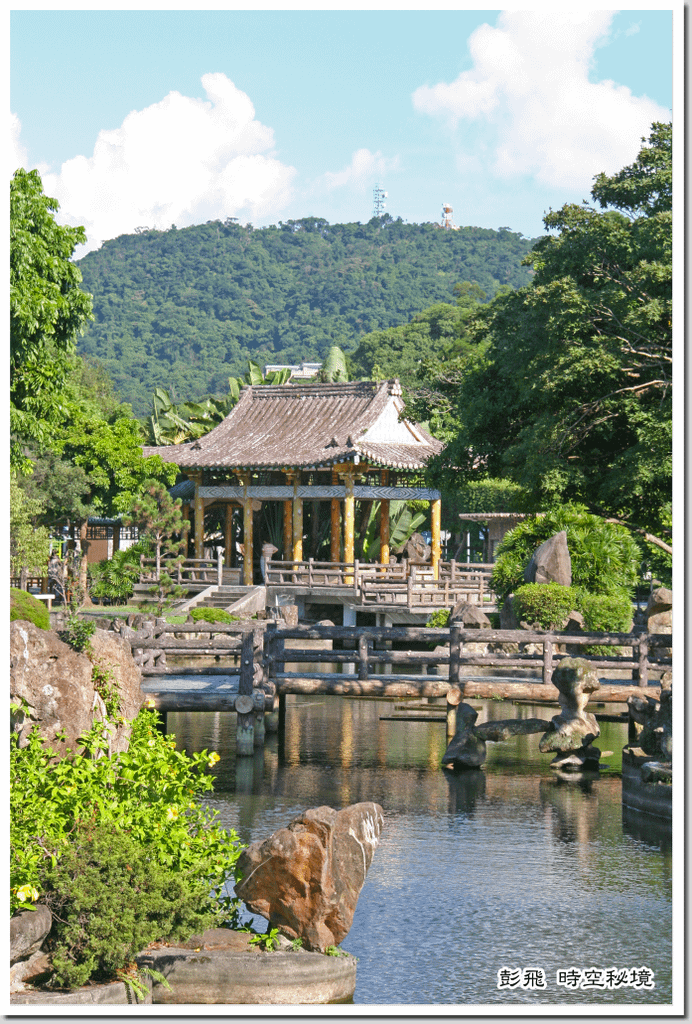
<point x="184" y="309"/>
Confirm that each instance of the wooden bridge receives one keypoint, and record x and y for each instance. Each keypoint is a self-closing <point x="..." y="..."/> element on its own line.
<point x="366" y="586"/>
<point x="267" y="661"/>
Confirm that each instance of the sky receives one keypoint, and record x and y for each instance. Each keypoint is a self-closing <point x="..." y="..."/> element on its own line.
<point x="159" y="117"/>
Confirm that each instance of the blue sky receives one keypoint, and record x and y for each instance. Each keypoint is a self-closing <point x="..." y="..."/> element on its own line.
<point x="159" y="117"/>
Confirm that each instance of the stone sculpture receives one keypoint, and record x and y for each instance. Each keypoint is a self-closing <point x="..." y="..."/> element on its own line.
<point x="306" y="878"/>
<point x="570" y="733"/>
<point x="466" y="749"/>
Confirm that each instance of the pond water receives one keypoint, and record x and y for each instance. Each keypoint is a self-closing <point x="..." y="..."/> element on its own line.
<point x="506" y="867"/>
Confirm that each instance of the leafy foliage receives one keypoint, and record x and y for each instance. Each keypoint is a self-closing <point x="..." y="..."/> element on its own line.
<point x="605" y="559"/>
<point x="545" y="604"/>
<point x="605" y="613"/>
<point x="212" y="615"/>
<point x="185" y="309"/>
<point x="150" y="792"/>
<point x="29" y="542"/>
<point x="78" y="633"/>
<point x="110" y="900"/>
<point x="48" y="310"/>
<point x="404" y="520"/>
<point x="24" y="606"/>
<point x="114" y="578"/>
<point x="159" y="519"/>
<point x="568" y="389"/>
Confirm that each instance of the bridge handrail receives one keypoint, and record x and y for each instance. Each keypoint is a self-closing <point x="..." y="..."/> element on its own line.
<point x="639" y="661"/>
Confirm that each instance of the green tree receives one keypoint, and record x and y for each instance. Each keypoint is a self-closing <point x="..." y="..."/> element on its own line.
<point x="569" y="389"/>
<point x="29" y="542"/>
<point x="48" y="310"/>
<point x="159" y="519"/>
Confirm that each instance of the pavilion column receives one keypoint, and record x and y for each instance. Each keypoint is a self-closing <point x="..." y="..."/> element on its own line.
<point x="187" y="527"/>
<point x="349" y="517"/>
<point x="228" y="534"/>
<point x="435" y="522"/>
<point x="384" y="521"/>
<point x="288" y="531"/>
<point x="199" y="518"/>
<point x="335" y="548"/>
<point x="247" y="533"/>
<point x="297" y="517"/>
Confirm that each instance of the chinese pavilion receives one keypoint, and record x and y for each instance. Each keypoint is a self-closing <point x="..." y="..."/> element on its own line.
<point x="300" y="442"/>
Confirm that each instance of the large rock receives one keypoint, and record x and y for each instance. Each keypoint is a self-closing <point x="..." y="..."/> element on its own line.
<point x="28" y="929"/>
<point x="55" y="685"/>
<point x="416" y="550"/>
<point x="551" y="562"/>
<point x="659" y="611"/>
<point x="468" y="615"/>
<point x="306" y="878"/>
<point x="573" y="728"/>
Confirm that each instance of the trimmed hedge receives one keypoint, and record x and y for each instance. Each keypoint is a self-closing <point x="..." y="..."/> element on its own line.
<point x="24" y="606"/>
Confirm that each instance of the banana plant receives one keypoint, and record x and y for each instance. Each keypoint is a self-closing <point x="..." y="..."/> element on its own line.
<point x="403" y="523"/>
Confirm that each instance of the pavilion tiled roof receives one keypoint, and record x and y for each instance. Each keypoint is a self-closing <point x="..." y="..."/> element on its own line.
<point x="309" y="425"/>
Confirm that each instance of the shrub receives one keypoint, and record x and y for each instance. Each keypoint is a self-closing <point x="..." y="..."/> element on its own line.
<point x="110" y="899"/>
<point x="547" y="604"/>
<point x="212" y="615"/>
<point x="77" y="633"/>
<point x="438" y="619"/>
<point x="605" y="558"/>
<point x="24" y="606"/>
<point x="605" y="613"/>
<point x="114" y="579"/>
<point x="149" y="792"/>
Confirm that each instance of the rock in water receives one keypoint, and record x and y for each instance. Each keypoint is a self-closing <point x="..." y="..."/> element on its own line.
<point x="306" y="878"/>
<point x="466" y="749"/>
<point x="574" y="728"/>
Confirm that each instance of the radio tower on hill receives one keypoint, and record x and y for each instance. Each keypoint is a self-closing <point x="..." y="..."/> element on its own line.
<point x="378" y="201"/>
<point x="447" y="222"/>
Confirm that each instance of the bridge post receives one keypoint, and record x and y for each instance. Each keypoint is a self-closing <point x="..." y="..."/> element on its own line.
<point x="244" y="704"/>
<point x="435" y="529"/>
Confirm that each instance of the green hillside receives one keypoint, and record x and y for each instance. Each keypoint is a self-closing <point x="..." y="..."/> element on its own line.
<point x="184" y="309"/>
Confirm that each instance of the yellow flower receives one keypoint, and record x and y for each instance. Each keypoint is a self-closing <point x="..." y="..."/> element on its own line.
<point x="150" y="702"/>
<point x="213" y="758"/>
<point x="27" y="892"/>
<point x="172" y="814"/>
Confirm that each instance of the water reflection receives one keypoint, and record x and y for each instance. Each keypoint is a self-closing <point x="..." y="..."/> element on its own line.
<point x="508" y="865"/>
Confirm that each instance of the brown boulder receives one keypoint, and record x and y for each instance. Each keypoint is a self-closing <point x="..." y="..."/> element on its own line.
<point x="551" y="562"/>
<point x="306" y="878"/>
<point x="468" y="615"/>
<point x="56" y="686"/>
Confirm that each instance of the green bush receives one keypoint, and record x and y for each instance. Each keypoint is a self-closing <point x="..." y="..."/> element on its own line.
<point x="109" y="899"/>
<point x="24" y="606"/>
<point x="149" y="793"/>
<point x="547" y="604"/>
<point x="113" y="579"/>
<point x="605" y="558"/>
<point x="77" y="633"/>
<point x="438" y="619"/>
<point x="605" y="613"/>
<point x="212" y="615"/>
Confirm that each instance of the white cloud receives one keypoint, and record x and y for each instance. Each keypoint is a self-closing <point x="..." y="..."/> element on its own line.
<point x="180" y="161"/>
<point x="530" y="86"/>
<point x="365" y="168"/>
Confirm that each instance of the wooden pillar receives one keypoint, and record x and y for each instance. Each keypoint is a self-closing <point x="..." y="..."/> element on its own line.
<point x="247" y="533"/>
<point x="297" y="509"/>
<point x="435" y="522"/>
<point x="187" y="527"/>
<point x="349" y="519"/>
<point x="288" y="531"/>
<point x="335" y="546"/>
<point x="228" y="535"/>
<point x="384" y="521"/>
<point x="199" y="518"/>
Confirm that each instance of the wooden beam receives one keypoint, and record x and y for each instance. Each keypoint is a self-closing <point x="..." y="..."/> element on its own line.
<point x="315" y="492"/>
<point x="435" y="523"/>
<point x="335" y="538"/>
